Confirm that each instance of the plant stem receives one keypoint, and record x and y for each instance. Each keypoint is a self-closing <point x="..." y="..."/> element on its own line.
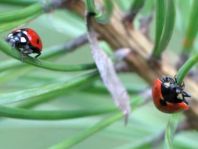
<point x="89" y="132"/>
<point x="18" y="2"/>
<point x="96" y="128"/>
<point x="192" y="28"/>
<point x="91" y="6"/>
<point x="21" y="14"/>
<point x="183" y="71"/>
<point x="164" y="26"/>
<point x="101" y="17"/>
<point x="18" y="113"/>
<point x="10" y="25"/>
<point x="171" y="129"/>
<point x="160" y="19"/>
<point x="44" y="64"/>
<point x="51" y="90"/>
<point x="75" y="83"/>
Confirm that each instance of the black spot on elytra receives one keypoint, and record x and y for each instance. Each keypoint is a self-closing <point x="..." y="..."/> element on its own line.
<point x="162" y="102"/>
<point x="38" y="41"/>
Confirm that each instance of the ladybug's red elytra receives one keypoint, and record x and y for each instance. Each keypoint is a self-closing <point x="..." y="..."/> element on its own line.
<point x="26" y="40"/>
<point x="168" y="96"/>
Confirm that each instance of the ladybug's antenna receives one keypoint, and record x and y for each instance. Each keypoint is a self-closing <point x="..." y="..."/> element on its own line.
<point x="185" y="94"/>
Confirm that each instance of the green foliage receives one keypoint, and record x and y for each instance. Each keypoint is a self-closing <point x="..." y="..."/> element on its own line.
<point x="48" y="90"/>
<point x="69" y="94"/>
<point x="100" y="16"/>
<point x="192" y="28"/>
<point x="18" y="2"/>
<point x="22" y="14"/>
<point x="170" y="130"/>
<point x="186" y="67"/>
<point x="165" y="18"/>
<point x="49" y="115"/>
<point x="96" y="128"/>
<point x="137" y="5"/>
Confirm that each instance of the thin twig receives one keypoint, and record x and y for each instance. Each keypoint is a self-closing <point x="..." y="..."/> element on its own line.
<point x="145" y="23"/>
<point x="107" y="71"/>
<point x="72" y="45"/>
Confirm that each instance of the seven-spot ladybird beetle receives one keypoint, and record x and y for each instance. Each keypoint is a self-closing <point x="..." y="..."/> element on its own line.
<point x="168" y="96"/>
<point x="26" y="40"/>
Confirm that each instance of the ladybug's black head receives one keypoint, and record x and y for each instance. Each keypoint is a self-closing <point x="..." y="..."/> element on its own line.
<point x="13" y="40"/>
<point x="172" y="92"/>
<point x="17" y="39"/>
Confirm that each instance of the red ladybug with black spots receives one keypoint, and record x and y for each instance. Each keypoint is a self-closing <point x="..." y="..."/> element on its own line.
<point x="26" y="41"/>
<point x="168" y="96"/>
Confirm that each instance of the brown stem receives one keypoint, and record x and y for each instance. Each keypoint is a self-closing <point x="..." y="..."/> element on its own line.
<point x="145" y="23"/>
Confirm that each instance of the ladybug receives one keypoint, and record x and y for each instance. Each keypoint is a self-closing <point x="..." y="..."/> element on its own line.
<point x="168" y="96"/>
<point x="26" y="41"/>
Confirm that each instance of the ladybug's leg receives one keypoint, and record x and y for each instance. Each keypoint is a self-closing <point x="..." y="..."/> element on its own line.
<point x="178" y="90"/>
<point x="21" y="55"/>
<point x="38" y="54"/>
<point x="185" y="94"/>
<point x="27" y="51"/>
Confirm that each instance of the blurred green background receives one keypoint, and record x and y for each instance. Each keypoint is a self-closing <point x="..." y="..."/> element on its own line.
<point x="145" y="123"/>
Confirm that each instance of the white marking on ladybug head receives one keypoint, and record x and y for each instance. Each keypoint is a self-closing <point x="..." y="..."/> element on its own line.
<point x="23" y="40"/>
<point x="180" y="96"/>
<point x="167" y="84"/>
<point x="10" y="35"/>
